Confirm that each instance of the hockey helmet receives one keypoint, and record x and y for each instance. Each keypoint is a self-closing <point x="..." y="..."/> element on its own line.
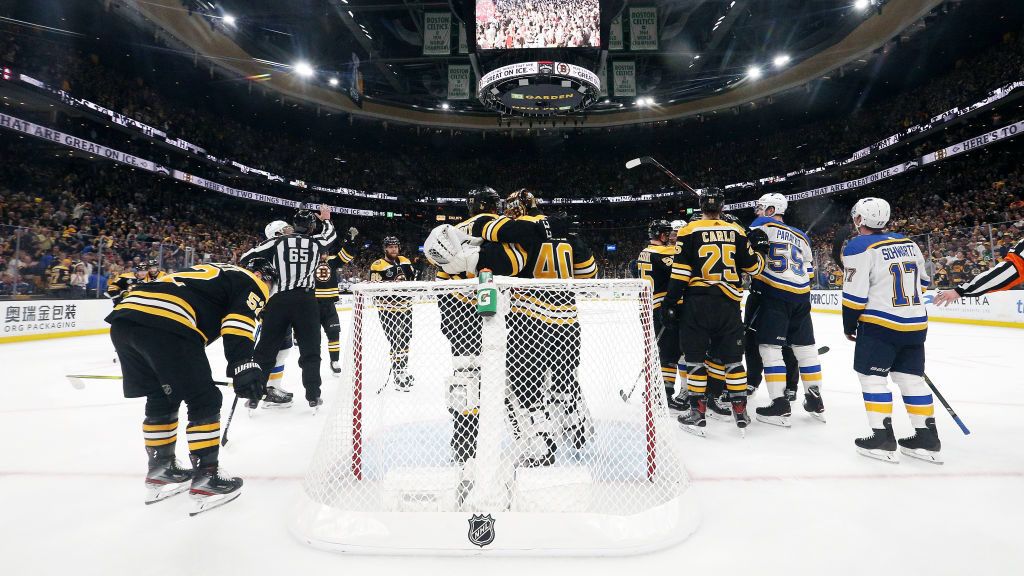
<point x="306" y="222"/>
<point x="772" y="200"/>
<point x="659" y="227"/>
<point x="712" y="200"/>
<point x="873" y="212"/>
<point x="483" y="200"/>
<point x="391" y="241"/>
<point x="520" y="203"/>
<point x="265" y="268"/>
<point x="276" y="228"/>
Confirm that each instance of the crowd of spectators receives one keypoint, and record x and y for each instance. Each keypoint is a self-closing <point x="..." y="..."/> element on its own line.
<point x="507" y="24"/>
<point x="97" y="220"/>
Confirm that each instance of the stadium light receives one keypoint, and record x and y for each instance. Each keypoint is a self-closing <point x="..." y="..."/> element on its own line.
<point x="445" y="106"/>
<point x="333" y="81"/>
<point x="229" y="20"/>
<point x="303" y="69"/>
<point x="780" y="60"/>
<point x="861" y="5"/>
<point x="754" y="72"/>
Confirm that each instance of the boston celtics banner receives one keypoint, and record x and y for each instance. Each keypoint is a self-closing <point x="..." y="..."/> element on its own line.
<point x="458" y="81"/>
<point x="624" y="75"/>
<point x="437" y="33"/>
<point x="615" y="33"/>
<point x="643" y="28"/>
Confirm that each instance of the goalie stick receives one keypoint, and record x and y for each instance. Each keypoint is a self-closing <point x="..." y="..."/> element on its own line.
<point x="652" y="162"/>
<point x="622" y="392"/>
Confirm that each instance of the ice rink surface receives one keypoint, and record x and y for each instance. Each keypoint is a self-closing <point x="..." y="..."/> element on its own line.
<point x="781" y="501"/>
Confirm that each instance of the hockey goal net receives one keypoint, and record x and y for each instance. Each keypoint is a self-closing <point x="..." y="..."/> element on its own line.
<point x="458" y="432"/>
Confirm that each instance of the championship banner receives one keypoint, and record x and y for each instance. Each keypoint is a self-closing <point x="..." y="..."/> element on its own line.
<point x="463" y="43"/>
<point x="615" y="33"/>
<point x="643" y="28"/>
<point x="458" y="81"/>
<point x="624" y="75"/>
<point x="437" y="33"/>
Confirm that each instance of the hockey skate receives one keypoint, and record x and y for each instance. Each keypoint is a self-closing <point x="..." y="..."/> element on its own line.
<point x="336" y="367"/>
<point x="316" y="404"/>
<point x="739" y="411"/>
<point x="924" y="444"/>
<point x="718" y="409"/>
<point x="403" y="380"/>
<point x="678" y="403"/>
<point x="881" y="445"/>
<point x="777" y="413"/>
<point x="570" y="415"/>
<point x="693" y="420"/>
<point x="536" y="447"/>
<point x="211" y="490"/>
<point x="813" y="404"/>
<point x="166" y="477"/>
<point x="277" y="398"/>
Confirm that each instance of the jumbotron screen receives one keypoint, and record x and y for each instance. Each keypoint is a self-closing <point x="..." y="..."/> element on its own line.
<point x="521" y="24"/>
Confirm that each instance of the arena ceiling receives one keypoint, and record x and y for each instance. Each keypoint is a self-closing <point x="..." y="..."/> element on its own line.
<point x="707" y="52"/>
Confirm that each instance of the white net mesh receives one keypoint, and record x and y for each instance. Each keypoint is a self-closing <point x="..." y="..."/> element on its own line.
<point x="444" y="411"/>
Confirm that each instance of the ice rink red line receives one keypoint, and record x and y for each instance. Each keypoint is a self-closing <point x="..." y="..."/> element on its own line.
<point x="696" y="478"/>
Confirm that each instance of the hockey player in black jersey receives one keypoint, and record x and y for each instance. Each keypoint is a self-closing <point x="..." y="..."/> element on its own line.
<point x="326" y="275"/>
<point x="395" y="311"/>
<point x="160" y="332"/>
<point x="119" y="286"/>
<point x="703" y="300"/>
<point x="460" y="323"/>
<point x="655" y="265"/>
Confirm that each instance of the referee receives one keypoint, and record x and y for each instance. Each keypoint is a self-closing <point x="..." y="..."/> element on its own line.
<point x="295" y="252"/>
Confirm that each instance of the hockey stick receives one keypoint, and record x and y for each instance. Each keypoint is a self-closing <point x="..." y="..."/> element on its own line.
<point x="622" y="392"/>
<point x="386" y="380"/>
<point x="959" y="422"/>
<point x="77" y="380"/>
<point x="224" y="437"/>
<point x="652" y="162"/>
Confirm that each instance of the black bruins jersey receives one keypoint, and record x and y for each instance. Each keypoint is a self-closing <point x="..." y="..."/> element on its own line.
<point x="655" y="265"/>
<point x="59" y="277"/>
<point x="710" y="256"/>
<point x="385" y="270"/>
<point x="208" y="301"/>
<point x="326" y="275"/>
<point x="516" y="234"/>
<point x="119" y="286"/>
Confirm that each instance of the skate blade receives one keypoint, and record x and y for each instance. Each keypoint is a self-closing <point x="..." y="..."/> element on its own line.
<point x="819" y="416"/>
<point x="157" y="492"/>
<point x="276" y="405"/>
<point x="695" y="430"/>
<point x="719" y="417"/>
<point x="207" y="503"/>
<point x="883" y="455"/>
<point x="921" y="454"/>
<point x="782" y="421"/>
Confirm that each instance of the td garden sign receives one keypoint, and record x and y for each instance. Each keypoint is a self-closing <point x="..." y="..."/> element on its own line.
<point x="539" y="88"/>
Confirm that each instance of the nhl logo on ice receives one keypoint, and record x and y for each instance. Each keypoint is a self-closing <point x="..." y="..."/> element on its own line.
<point x="481" y="530"/>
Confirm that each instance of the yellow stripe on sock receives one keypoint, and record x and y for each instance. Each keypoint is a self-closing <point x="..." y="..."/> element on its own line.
<point x="883" y="407"/>
<point x="162" y="441"/>
<point x="159" y="427"/>
<point x="204" y="427"/>
<point x="928" y="410"/>
<point x="193" y="446"/>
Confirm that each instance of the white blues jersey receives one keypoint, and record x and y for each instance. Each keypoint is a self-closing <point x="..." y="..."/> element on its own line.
<point x="885" y="278"/>
<point x="789" y="264"/>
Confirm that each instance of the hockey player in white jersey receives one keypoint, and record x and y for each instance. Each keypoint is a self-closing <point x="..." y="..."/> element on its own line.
<point x="884" y="313"/>
<point x="783" y="315"/>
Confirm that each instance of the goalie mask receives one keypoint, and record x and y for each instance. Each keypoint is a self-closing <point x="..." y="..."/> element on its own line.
<point x="520" y="203"/>
<point x="452" y="249"/>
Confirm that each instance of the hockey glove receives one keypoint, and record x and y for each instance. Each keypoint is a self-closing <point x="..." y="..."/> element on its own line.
<point x="247" y="379"/>
<point x="759" y="241"/>
<point x="352" y="233"/>
<point x="670" y="315"/>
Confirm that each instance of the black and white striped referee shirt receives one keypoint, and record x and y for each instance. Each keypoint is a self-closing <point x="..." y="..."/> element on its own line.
<point x="295" y="256"/>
